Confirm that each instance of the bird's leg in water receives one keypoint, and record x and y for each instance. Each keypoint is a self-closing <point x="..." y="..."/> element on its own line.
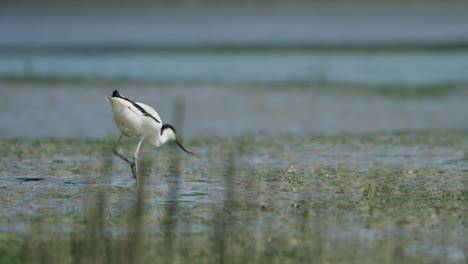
<point x="132" y="164"/>
<point x="135" y="156"/>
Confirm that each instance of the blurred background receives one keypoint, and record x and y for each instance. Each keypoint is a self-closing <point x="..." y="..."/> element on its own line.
<point x="240" y="66"/>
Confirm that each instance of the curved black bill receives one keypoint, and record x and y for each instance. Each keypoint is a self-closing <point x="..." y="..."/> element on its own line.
<point x="182" y="147"/>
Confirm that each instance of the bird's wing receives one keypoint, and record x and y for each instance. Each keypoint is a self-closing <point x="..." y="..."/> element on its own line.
<point x="150" y="111"/>
<point x="122" y="104"/>
<point x="135" y="111"/>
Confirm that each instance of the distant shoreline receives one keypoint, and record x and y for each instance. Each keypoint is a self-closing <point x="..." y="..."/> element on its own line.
<point x="454" y="46"/>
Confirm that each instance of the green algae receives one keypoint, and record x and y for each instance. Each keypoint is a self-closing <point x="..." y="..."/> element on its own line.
<point x="350" y="198"/>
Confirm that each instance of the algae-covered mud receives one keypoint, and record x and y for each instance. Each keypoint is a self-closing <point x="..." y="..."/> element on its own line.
<point x="256" y="198"/>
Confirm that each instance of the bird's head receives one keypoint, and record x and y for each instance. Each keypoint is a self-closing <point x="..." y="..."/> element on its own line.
<point x="168" y="133"/>
<point x="115" y="94"/>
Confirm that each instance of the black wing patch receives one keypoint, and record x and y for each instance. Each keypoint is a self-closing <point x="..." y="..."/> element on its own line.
<point x="116" y="93"/>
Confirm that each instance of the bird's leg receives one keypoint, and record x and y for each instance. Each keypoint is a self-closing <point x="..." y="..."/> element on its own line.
<point x="135" y="156"/>
<point x="132" y="164"/>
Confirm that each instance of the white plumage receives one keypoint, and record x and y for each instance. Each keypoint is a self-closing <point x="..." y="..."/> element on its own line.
<point x="141" y="122"/>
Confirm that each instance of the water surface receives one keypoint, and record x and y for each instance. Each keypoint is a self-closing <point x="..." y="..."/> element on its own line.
<point x="80" y="110"/>
<point x="417" y="68"/>
<point x="364" y="193"/>
<point x="153" y="25"/>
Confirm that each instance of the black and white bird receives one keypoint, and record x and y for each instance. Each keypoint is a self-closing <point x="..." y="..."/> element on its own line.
<point x="141" y="122"/>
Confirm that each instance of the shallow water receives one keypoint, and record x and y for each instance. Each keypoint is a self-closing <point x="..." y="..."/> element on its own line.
<point x="156" y="25"/>
<point x="61" y="42"/>
<point x="404" y="188"/>
<point x="419" y="68"/>
<point x="80" y="110"/>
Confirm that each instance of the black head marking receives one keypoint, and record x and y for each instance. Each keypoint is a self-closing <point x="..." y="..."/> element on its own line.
<point x="116" y="93"/>
<point x="167" y="126"/>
